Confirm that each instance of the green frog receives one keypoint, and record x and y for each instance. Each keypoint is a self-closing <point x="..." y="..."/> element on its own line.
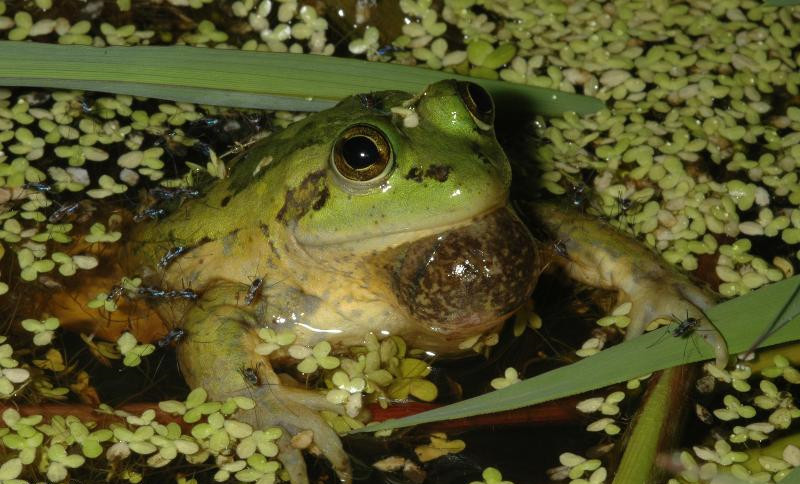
<point x="388" y="213"/>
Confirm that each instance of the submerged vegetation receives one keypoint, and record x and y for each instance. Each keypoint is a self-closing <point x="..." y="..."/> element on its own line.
<point x="697" y="154"/>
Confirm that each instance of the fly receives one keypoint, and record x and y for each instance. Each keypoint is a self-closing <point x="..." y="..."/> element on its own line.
<point x="151" y="213"/>
<point x="174" y="336"/>
<point x="62" y="212"/>
<point x="684" y="326"/>
<point x="251" y="376"/>
<point x="39" y="187"/>
<point x="252" y="291"/>
<point x="171" y="255"/>
<point x="561" y="248"/>
<point x="156" y="293"/>
<point x="114" y="293"/>
<point x="164" y="194"/>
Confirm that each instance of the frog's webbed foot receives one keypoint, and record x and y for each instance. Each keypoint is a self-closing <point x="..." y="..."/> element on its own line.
<point x="295" y="410"/>
<point x="599" y="255"/>
<point x="218" y="355"/>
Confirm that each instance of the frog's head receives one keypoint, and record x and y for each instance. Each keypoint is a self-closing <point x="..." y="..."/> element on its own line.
<point x="421" y="178"/>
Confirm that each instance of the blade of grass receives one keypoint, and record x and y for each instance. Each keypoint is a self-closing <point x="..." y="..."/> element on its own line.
<point x="244" y="79"/>
<point x="741" y="321"/>
<point x="657" y="426"/>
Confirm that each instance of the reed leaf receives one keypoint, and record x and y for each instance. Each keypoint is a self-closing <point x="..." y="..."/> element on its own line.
<point x="742" y="321"/>
<point x="295" y="82"/>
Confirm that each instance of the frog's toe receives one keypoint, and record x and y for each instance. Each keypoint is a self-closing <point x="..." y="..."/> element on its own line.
<point x="292" y="409"/>
<point x="292" y="460"/>
<point x="678" y="301"/>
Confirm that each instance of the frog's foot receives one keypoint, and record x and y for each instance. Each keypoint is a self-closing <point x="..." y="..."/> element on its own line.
<point x="597" y="254"/>
<point x="677" y="300"/>
<point x="295" y="410"/>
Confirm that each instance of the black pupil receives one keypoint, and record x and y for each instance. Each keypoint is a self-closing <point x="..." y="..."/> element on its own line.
<point x="360" y="152"/>
<point x="481" y="98"/>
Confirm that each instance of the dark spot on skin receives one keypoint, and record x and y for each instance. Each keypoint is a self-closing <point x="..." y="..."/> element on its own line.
<point x="323" y="197"/>
<point x="225" y="201"/>
<point x="438" y="172"/>
<point x="264" y="230"/>
<point x="414" y="174"/>
<point x="305" y="196"/>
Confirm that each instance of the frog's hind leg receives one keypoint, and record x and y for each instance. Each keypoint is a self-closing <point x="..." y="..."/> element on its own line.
<point x="595" y="253"/>
<point x="218" y="354"/>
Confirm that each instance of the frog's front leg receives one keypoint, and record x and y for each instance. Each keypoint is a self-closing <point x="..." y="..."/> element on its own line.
<point x="218" y="354"/>
<point x="599" y="255"/>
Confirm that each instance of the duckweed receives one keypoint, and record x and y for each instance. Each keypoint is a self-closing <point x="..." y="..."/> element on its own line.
<point x="693" y="131"/>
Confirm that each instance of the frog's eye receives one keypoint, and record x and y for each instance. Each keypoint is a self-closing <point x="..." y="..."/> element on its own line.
<point x="362" y="154"/>
<point x="478" y="102"/>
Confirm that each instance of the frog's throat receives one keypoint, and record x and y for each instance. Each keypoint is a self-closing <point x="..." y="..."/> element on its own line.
<point x="392" y="240"/>
<point x="465" y="281"/>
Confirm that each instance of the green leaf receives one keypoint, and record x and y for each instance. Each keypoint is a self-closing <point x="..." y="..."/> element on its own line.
<point x="783" y="3"/>
<point x="236" y="78"/>
<point x="741" y="321"/>
<point x="793" y="477"/>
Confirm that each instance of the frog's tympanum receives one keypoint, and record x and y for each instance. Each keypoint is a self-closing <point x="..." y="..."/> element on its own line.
<point x="388" y="213"/>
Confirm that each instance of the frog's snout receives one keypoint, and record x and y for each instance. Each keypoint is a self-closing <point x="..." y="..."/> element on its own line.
<point x="467" y="280"/>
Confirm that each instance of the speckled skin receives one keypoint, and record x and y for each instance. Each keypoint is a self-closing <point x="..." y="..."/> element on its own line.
<point x="431" y="252"/>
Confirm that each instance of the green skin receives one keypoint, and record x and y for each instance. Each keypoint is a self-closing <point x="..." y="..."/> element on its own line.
<point x="340" y="259"/>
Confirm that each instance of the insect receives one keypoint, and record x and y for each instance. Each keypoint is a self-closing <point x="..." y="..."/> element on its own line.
<point x="62" y="212"/>
<point x="114" y="293"/>
<point x="164" y="194"/>
<point x="682" y="328"/>
<point x="151" y="213"/>
<point x="86" y="106"/>
<point x="685" y="326"/>
<point x="252" y="291"/>
<point x="388" y="49"/>
<point x="171" y="255"/>
<point x="174" y="336"/>
<point x="579" y="195"/>
<point x="156" y="293"/>
<point x="39" y="187"/>
<point x="251" y="376"/>
<point x="560" y="247"/>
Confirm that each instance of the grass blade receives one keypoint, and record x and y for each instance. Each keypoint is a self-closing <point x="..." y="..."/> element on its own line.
<point x="741" y="321"/>
<point x="782" y="3"/>
<point x="237" y="78"/>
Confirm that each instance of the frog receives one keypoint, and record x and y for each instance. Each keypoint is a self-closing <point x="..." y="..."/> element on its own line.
<point x="388" y="214"/>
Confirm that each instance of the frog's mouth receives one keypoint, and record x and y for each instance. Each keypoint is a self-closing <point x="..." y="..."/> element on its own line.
<point x="467" y="280"/>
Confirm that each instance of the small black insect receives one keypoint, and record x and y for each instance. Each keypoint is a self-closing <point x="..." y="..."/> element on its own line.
<point x="251" y="376"/>
<point x="252" y="291"/>
<point x="625" y="203"/>
<point x="151" y="213"/>
<point x="579" y="195"/>
<point x="114" y="293"/>
<point x="156" y="293"/>
<point x="174" y="336"/>
<point x="684" y="326"/>
<point x="62" y="212"/>
<point x="39" y="187"/>
<point x="388" y="49"/>
<point x="171" y="255"/>
<point x="164" y="194"/>
<point x="560" y="247"/>
<point x="86" y="106"/>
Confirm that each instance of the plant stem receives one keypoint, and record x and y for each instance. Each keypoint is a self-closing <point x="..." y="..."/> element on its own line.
<point x="657" y="425"/>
